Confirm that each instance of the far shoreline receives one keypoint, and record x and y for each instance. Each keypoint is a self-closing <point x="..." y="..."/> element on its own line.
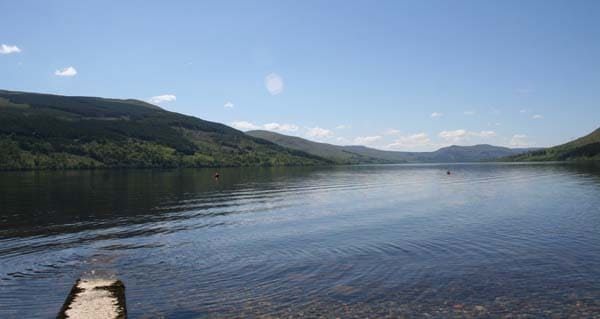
<point x="590" y="162"/>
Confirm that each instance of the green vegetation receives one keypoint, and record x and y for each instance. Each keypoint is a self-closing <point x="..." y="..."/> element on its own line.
<point x="42" y="131"/>
<point x="585" y="148"/>
<point x="336" y="153"/>
<point x="364" y="155"/>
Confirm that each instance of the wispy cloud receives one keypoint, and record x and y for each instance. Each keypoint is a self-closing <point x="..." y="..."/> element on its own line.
<point x="537" y="116"/>
<point x="276" y="127"/>
<point x="519" y="140"/>
<point x="162" y="98"/>
<point x="244" y="126"/>
<point x="342" y="140"/>
<point x="367" y="140"/>
<point x="523" y="111"/>
<point x="436" y="114"/>
<point x="392" y="131"/>
<point x="453" y="136"/>
<point x="484" y="134"/>
<point x="274" y="83"/>
<point x="318" y="133"/>
<point x="410" y="141"/>
<point x="8" y="49"/>
<point x="281" y="127"/>
<point x="457" y="136"/>
<point x="342" y="127"/>
<point x="228" y="105"/>
<point x="469" y="112"/>
<point x="68" y="72"/>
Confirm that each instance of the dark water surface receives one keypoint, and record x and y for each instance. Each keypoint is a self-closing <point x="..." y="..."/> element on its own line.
<point x="490" y="240"/>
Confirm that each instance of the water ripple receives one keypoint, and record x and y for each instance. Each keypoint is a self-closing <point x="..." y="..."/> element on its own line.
<point x="265" y="242"/>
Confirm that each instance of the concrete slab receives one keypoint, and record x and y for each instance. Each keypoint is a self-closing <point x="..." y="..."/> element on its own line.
<point x="95" y="299"/>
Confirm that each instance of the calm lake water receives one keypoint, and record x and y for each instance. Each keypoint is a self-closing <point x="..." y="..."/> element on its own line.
<point x="488" y="240"/>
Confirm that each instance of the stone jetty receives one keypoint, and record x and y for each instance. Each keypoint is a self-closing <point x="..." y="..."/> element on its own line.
<point x="95" y="299"/>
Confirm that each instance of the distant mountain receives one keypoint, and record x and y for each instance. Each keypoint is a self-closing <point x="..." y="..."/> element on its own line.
<point x="338" y="154"/>
<point x="40" y="131"/>
<point x="475" y="153"/>
<point x="583" y="148"/>
<point x="362" y="154"/>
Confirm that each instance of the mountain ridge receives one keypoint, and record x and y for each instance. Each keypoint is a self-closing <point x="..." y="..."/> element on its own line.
<point x="359" y="154"/>
<point x="584" y="148"/>
<point x="47" y="131"/>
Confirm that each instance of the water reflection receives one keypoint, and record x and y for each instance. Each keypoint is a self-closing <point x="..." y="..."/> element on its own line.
<point x="407" y="240"/>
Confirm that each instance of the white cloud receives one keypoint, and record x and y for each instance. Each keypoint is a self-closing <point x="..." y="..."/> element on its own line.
<point x="414" y="140"/>
<point x="483" y="134"/>
<point x="436" y="114"/>
<point x="523" y="111"/>
<point x="392" y="132"/>
<point x="68" y="71"/>
<point x="342" y="140"/>
<point x="469" y="112"/>
<point x="519" y="140"/>
<point x="342" y="127"/>
<point x="162" y="98"/>
<point x="537" y="117"/>
<point x="280" y="127"/>
<point x="366" y="140"/>
<point x="8" y="49"/>
<point x="228" y="105"/>
<point x="461" y="135"/>
<point x="453" y="136"/>
<point x="244" y="126"/>
<point x="318" y="133"/>
<point x="274" y="83"/>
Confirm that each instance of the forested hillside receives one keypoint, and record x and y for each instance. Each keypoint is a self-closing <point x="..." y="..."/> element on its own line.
<point x="583" y="148"/>
<point x="40" y="131"/>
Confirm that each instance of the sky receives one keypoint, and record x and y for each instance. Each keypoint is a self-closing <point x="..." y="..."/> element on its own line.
<point x="395" y="75"/>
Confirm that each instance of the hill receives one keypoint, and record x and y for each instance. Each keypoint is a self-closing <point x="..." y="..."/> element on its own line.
<point x="583" y="148"/>
<point x="361" y="154"/>
<point x="39" y="131"/>
<point x="475" y="153"/>
<point x="338" y="154"/>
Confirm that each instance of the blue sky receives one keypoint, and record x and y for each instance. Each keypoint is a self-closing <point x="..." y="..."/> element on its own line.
<point x="399" y="75"/>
